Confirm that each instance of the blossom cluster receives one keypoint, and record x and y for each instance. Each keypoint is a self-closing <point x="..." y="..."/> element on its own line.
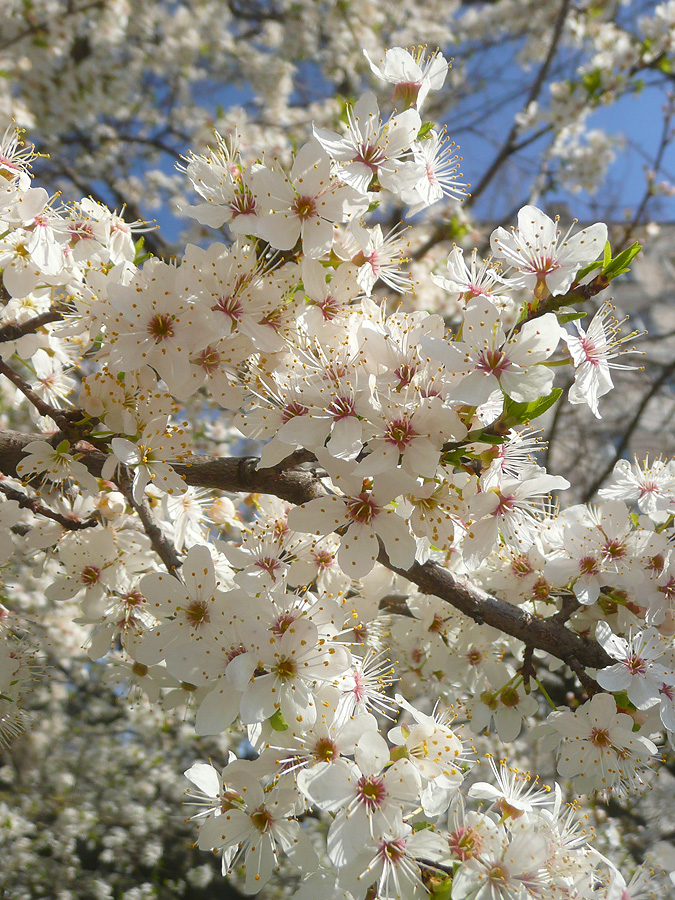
<point x="414" y="432"/>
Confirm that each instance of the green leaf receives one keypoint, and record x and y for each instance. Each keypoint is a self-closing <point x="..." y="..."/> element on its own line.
<point x="520" y="413"/>
<point x="621" y="263"/>
<point x="592" y="81"/>
<point x="278" y="722"/>
<point x="598" y="264"/>
<point x="63" y="446"/>
<point x="607" y="256"/>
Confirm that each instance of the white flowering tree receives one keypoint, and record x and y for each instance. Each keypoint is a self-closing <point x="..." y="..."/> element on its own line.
<point x="287" y="489"/>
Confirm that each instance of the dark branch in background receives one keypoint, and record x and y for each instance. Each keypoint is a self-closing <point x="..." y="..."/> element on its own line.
<point x="42" y="26"/>
<point x="299" y="485"/>
<point x="664" y="142"/>
<point x="511" y="144"/>
<point x="665" y="375"/>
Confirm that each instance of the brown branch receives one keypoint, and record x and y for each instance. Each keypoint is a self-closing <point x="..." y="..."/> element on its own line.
<point x="14" y="330"/>
<point x="160" y="543"/>
<point x="300" y="485"/>
<point x="26" y="502"/>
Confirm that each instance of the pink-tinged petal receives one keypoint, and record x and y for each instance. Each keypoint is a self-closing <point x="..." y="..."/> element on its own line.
<point x="320" y="516"/>
<point x="397" y="540"/>
<point x="317" y="237"/>
<point x="217" y="711"/>
<point x="204" y="777"/>
<point x="229" y="828"/>
<point x="358" y="551"/>
<point x="328" y="786"/>
<point x="280" y="229"/>
<point x="346" y="440"/>
<point x="198" y="572"/>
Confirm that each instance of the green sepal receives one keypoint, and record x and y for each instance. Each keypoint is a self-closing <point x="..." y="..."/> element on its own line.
<point x="278" y="722"/>
<point x="442" y="890"/>
<point x="63" y="446"/>
<point x="425" y="130"/>
<point x="563" y="318"/>
<point x="482" y="437"/>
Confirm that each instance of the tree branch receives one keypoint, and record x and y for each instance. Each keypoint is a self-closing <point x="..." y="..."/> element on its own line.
<point x="300" y="485"/>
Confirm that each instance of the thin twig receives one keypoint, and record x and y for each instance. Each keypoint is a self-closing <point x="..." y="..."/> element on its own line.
<point x="26" y="502"/>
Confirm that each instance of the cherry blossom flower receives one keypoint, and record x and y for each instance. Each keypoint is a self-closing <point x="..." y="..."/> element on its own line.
<point x="546" y="259"/>
<point x="485" y="359"/>
<point x="305" y="204"/>
<point x="591" y="352"/>
<point x="637" y="673"/>
<point x="370" y="149"/>
<point x="599" y="747"/>
<point x="414" y="75"/>
<point x="365" y="512"/>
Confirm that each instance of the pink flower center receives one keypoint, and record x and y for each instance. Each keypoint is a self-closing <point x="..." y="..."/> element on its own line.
<point x="243" y="204"/>
<point x="465" y="842"/>
<point x="160" y="327"/>
<point x="197" y="613"/>
<point x="229" y="306"/>
<point x="268" y="564"/>
<point x="282" y="624"/>
<point x="90" y="575"/>
<point x="362" y="509"/>
<point x="600" y="737"/>
<point x="370" y="155"/>
<point x="400" y="433"/>
<point x="261" y="819"/>
<point x="614" y="549"/>
<point x="209" y="360"/>
<point x="405" y="374"/>
<point x="304" y="207"/>
<point x="588" y="565"/>
<point x="292" y="411"/>
<point x="636" y="665"/>
<point x="340" y="408"/>
<point x="371" y="792"/>
<point x="494" y="362"/>
<point x="392" y="851"/>
<point x="521" y="566"/>
<point x="325" y="750"/>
